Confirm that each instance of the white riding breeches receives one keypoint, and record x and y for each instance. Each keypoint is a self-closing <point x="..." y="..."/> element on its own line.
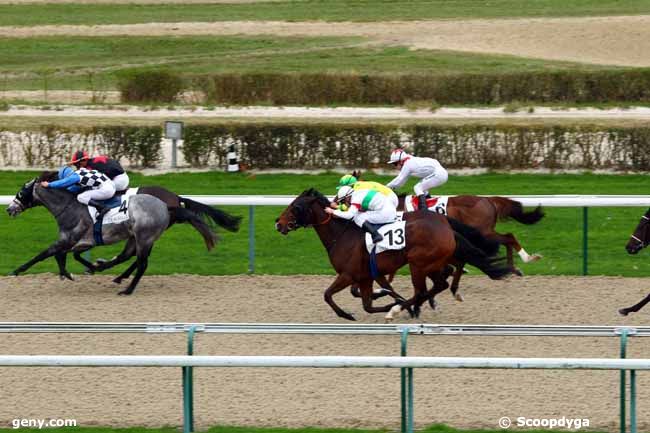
<point x="121" y="182"/>
<point x="386" y="214"/>
<point x="435" y="179"/>
<point x="104" y="192"/>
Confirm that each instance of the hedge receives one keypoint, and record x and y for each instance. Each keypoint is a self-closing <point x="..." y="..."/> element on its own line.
<point x="328" y="145"/>
<point x="330" y="89"/>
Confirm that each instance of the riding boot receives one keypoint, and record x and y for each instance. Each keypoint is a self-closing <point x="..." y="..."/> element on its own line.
<point x="101" y="209"/>
<point x="422" y="202"/>
<point x="376" y="236"/>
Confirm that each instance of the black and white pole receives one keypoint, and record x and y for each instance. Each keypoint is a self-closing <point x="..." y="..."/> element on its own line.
<point x="233" y="164"/>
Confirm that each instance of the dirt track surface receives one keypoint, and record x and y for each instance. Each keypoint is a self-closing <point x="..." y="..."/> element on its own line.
<point x="305" y="397"/>
<point x="618" y="40"/>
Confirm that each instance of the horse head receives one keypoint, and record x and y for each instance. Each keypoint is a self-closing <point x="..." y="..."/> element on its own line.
<point x="641" y="236"/>
<point x="25" y="198"/>
<point x="302" y="212"/>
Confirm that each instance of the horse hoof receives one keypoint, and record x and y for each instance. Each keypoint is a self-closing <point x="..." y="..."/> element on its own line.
<point x="535" y="257"/>
<point x="117" y="280"/>
<point x="623" y="312"/>
<point x="459" y="297"/>
<point x="518" y="272"/>
<point x="355" y="292"/>
<point x="89" y="271"/>
<point x="12" y="274"/>
<point x="66" y="276"/>
<point x="124" y="293"/>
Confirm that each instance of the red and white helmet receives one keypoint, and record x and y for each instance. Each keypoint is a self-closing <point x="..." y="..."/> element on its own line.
<point x="398" y="155"/>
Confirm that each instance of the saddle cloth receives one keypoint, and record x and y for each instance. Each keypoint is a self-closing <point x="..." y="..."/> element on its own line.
<point x="119" y="206"/>
<point x="435" y="204"/>
<point x="394" y="237"/>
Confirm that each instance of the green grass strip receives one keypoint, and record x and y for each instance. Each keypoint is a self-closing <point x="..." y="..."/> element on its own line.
<point x="558" y="237"/>
<point x="91" y="63"/>
<point x="332" y="10"/>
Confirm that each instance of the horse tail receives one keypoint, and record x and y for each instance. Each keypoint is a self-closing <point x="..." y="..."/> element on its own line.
<point x="221" y="218"/>
<point x="507" y="208"/>
<point x="494" y="267"/>
<point x="183" y="215"/>
<point x="490" y="247"/>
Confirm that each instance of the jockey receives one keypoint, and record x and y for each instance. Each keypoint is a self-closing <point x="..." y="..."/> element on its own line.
<point x="96" y="186"/>
<point x="428" y="169"/>
<point x="368" y="203"/>
<point x="103" y="164"/>
<point x="349" y="180"/>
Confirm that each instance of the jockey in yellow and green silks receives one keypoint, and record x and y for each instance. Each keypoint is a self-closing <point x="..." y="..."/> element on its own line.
<point x="365" y="203"/>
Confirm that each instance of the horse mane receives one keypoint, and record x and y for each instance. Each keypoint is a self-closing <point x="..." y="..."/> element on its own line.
<point x="320" y="198"/>
<point x="48" y="176"/>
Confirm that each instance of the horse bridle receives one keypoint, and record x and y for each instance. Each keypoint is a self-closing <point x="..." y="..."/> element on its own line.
<point x="643" y="244"/>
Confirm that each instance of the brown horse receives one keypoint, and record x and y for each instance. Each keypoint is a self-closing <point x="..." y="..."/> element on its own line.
<point x="431" y="244"/>
<point x="483" y="213"/>
<point x="639" y="240"/>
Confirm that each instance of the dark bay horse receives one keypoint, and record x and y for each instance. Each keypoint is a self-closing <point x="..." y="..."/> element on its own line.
<point x="431" y="245"/>
<point x="638" y="241"/>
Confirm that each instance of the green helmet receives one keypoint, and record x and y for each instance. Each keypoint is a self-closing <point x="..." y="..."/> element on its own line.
<point x="347" y="180"/>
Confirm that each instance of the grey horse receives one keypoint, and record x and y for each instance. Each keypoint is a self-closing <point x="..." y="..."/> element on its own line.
<point x="148" y="219"/>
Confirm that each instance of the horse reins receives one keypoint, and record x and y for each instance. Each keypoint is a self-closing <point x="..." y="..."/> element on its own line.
<point x="637" y="239"/>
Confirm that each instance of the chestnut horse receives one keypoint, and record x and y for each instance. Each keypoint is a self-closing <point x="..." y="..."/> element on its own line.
<point x="431" y="244"/>
<point x="483" y="213"/>
<point x="639" y="240"/>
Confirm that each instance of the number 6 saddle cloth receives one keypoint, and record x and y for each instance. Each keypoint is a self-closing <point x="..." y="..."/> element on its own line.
<point x="394" y="237"/>
<point x="119" y="208"/>
<point x="435" y="204"/>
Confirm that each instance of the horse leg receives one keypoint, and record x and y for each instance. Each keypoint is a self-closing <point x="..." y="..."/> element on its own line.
<point x="634" y="308"/>
<point x="458" y="272"/>
<point x="366" y="296"/>
<point x="340" y="283"/>
<point x="511" y="242"/>
<point x="440" y="284"/>
<point x="57" y="247"/>
<point x="61" y="259"/>
<point x="90" y="268"/>
<point x="142" y="261"/>
<point x="419" y="281"/>
<point x="128" y="252"/>
<point x="127" y="273"/>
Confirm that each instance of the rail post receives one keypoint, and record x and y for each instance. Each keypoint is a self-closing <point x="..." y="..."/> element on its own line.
<point x="251" y="239"/>
<point x="406" y="388"/>
<point x="625" y="332"/>
<point x="188" y="386"/>
<point x="585" y="231"/>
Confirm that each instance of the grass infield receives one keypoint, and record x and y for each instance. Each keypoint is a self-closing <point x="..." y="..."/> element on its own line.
<point x="558" y="237"/>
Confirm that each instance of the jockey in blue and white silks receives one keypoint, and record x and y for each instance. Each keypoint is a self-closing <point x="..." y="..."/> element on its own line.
<point x="94" y="185"/>
<point x="432" y="173"/>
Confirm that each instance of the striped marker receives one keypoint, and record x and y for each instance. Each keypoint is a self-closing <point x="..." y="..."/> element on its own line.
<point x="233" y="165"/>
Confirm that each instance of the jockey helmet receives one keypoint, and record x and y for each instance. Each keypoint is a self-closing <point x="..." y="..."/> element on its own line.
<point x="347" y="180"/>
<point x="398" y="155"/>
<point x="344" y="192"/>
<point x="78" y="156"/>
<point x="65" y="171"/>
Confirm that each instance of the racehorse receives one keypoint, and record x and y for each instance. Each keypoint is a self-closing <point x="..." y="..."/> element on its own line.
<point x="430" y="245"/>
<point x="148" y="218"/>
<point x="483" y="213"/>
<point x="639" y="240"/>
<point x="181" y="210"/>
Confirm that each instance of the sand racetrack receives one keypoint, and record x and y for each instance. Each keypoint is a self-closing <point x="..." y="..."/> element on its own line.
<point x="300" y="397"/>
